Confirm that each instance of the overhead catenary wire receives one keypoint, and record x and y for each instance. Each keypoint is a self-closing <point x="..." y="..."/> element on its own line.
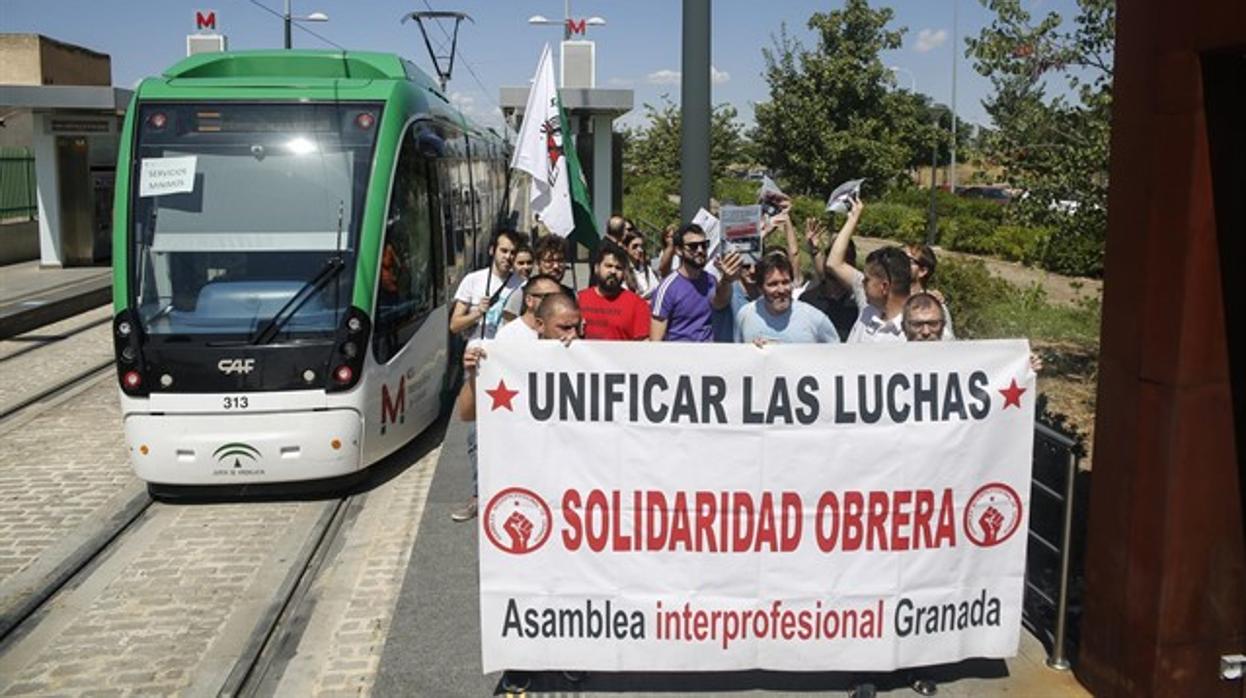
<point x="275" y="13"/>
<point x="471" y="71"/>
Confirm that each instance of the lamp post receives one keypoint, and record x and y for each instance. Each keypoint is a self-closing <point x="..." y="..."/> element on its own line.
<point x="955" y="27"/>
<point x="289" y="19"/>
<point x="912" y="78"/>
<point x="566" y="21"/>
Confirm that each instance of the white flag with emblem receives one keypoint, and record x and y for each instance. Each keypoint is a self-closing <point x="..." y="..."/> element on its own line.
<point x="540" y="152"/>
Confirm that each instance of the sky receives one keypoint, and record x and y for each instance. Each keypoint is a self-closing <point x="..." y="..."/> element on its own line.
<point x="638" y="48"/>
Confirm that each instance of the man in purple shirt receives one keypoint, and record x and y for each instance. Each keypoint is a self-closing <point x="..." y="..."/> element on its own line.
<point x="684" y="301"/>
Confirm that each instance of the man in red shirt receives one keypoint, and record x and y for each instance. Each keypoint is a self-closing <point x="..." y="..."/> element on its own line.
<point x="611" y="311"/>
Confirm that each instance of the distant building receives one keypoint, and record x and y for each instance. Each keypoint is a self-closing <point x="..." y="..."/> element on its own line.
<point x="60" y="111"/>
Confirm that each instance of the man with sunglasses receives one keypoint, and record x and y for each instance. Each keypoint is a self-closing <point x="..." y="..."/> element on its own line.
<point x="684" y="303"/>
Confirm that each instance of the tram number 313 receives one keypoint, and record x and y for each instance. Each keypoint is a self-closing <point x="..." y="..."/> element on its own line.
<point x="235" y="402"/>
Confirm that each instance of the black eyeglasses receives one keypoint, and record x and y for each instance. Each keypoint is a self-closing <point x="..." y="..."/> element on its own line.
<point x="703" y="244"/>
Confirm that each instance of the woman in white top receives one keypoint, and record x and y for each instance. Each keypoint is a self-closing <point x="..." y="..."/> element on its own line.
<point x="641" y="278"/>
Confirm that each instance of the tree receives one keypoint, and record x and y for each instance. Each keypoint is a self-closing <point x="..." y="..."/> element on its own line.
<point x="651" y="161"/>
<point x="832" y="115"/>
<point x="653" y="150"/>
<point x="1053" y="148"/>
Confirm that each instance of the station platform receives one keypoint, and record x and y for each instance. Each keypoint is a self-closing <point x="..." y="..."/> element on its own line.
<point x="32" y="297"/>
<point x="433" y="646"/>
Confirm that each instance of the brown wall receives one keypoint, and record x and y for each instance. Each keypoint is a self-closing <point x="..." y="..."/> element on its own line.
<point x="32" y="59"/>
<point x="1166" y="575"/>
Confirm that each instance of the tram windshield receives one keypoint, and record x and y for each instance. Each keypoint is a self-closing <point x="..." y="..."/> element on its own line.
<point x="243" y="212"/>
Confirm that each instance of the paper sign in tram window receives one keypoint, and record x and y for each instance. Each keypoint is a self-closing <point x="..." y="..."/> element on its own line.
<point x="167" y="176"/>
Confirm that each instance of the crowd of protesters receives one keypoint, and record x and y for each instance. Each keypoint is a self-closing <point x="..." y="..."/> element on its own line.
<point x="693" y="293"/>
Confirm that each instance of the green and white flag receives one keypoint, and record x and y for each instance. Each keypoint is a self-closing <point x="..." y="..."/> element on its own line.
<point x="559" y="194"/>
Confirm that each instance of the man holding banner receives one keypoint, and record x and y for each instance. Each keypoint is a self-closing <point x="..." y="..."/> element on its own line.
<point x="775" y="510"/>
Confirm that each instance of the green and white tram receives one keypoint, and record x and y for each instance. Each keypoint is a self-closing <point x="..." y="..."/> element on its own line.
<point x="289" y="226"/>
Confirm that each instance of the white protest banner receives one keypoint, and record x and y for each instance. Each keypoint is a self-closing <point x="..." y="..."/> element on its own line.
<point x="167" y="175"/>
<point x="741" y="230"/>
<point x="724" y="507"/>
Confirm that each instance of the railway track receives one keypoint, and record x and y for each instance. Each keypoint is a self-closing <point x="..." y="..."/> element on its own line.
<point x="253" y="626"/>
<point x="52" y="375"/>
<point x="39" y="366"/>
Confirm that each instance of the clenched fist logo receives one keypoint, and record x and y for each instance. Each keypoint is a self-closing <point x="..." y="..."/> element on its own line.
<point x="520" y="529"/>
<point x="517" y="521"/>
<point x="992" y="515"/>
<point x="990" y="521"/>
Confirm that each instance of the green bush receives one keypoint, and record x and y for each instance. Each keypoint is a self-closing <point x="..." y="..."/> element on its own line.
<point x="646" y="200"/>
<point x="947" y="205"/>
<point x="1067" y="252"/>
<point x="1019" y="243"/>
<point x="968" y="288"/>
<point x="893" y="221"/>
<point x="736" y="192"/>
<point x="984" y="306"/>
<point x="965" y="234"/>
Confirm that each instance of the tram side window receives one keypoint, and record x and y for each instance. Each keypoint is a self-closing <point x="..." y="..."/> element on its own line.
<point x="406" y="290"/>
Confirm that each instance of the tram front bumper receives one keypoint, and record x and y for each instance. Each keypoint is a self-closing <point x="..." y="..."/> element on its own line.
<point x="222" y="449"/>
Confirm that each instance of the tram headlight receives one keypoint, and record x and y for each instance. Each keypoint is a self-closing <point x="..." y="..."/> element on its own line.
<point x="343" y="374"/>
<point x="346" y="364"/>
<point x="124" y="328"/>
<point x="127" y="354"/>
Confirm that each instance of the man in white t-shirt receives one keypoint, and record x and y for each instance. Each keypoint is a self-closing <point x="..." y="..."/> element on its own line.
<point x="556" y="316"/>
<point x="482" y="293"/>
<point x="526" y="325"/>
<point x="880" y="291"/>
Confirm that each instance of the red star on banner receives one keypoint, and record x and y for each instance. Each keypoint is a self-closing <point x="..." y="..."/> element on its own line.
<point x="502" y="396"/>
<point x="1012" y="395"/>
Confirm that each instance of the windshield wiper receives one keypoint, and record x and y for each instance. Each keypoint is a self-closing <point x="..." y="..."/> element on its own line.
<point x="333" y="266"/>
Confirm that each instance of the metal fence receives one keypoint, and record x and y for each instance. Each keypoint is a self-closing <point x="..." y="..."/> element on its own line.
<point x="1054" y="561"/>
<point x="17" y="184"/>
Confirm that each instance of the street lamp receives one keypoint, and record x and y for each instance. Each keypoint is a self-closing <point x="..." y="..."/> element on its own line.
<point x="565" y="24"/>
<point x="912" y="78"/>
<point x="288" y="19"/>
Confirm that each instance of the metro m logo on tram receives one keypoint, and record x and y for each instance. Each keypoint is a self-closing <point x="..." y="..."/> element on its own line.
<point x="393" y="410"/>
